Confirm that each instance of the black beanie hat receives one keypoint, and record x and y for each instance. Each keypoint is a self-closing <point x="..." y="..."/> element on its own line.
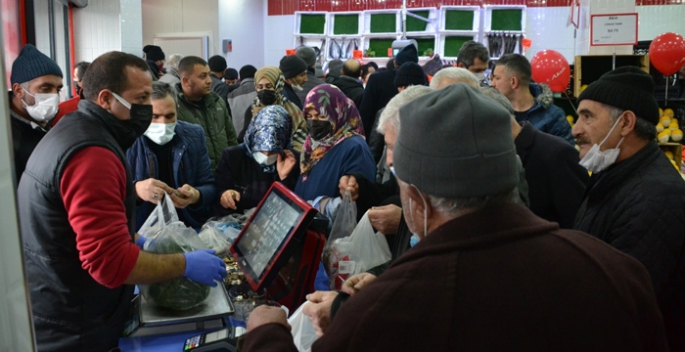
<point x="217" y="63"/>
<point x="408" y="54"/>
<point x="31" y="64"/>
<point x="153" y="53"/>
<point x="292" y="66"/>
<point x="410" y="74"/>
<point x="626" y="88"/>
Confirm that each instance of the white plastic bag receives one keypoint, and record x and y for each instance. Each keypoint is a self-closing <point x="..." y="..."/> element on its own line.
<point x="343" y="226"/>
<point x="363" y="250"/>
<point x="214" y="240"/>
<point x="163" y="214"/>
<point x="302" y="330"/>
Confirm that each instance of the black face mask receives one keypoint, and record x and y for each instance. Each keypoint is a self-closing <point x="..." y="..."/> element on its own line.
<point x="319" y="129"/>
<point x="141" y="116"/>
<point x="267" y="96"/>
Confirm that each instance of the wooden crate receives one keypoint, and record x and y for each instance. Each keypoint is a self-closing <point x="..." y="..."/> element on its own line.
<point x="588" y="68"/>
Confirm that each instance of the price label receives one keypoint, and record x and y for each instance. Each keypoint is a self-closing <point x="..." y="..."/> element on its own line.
<point x="613" y="29"/>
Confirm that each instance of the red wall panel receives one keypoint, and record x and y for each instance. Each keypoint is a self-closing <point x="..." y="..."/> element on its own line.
<point x="288" y="7"/>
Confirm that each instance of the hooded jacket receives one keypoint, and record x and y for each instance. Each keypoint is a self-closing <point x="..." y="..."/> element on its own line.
<point x="352" y="89"/>
<point x="638" y="207"/>
<point x="544" y="115"/>
<point x="210" y="113"/>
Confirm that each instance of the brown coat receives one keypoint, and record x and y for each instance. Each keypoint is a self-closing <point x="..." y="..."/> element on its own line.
<point x="500" y="279"/>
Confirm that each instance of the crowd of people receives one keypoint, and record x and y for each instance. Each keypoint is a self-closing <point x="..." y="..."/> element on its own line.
<point x="509" y="228"/>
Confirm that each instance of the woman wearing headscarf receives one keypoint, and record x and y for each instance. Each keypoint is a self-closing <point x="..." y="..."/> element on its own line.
<point x="246" y="171"/>
<point x="269" y="83"/>
<point x="335" y="145"/>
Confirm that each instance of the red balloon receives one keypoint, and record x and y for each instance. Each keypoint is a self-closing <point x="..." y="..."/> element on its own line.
<point x="667" y="53"/>
<point x="551" y="68"/>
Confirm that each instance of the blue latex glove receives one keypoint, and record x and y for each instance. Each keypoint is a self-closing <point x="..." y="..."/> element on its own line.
<point x="204" y="267"/>
<point x="141" y="241"/>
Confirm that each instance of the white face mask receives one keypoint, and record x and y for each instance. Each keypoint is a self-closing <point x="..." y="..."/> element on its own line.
<point x="45" y="106"/>
<point x="480" y="76"/>
<point x="262" y="159"/>
<point x="415" y="236"/>
<point x="297" y="87"/>
<point x="161" y="133"/>
<point x="596" y="160"/>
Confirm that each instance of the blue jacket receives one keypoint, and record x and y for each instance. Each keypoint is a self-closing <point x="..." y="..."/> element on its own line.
<point x="191" y="166"/>
<point x="545" y="116"/>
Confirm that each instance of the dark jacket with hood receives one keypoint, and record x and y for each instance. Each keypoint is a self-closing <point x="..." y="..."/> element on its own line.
<point x="71" y="311"/>
<point x="638" y="207"/>
<point x="544" y="115"/>
<point x="498" y="279"/>
<point x="352" y="89"/>
<point x="190" y="165"/>
<point x="219" y="87"/>
<point x="25" y="138"/>
<point x="380" y="88"/>
<point x="290" y="94"/>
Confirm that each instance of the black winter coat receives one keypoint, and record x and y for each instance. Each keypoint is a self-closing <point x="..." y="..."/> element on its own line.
<point x="352" y="89"/>
<point x="380" y="88"/>
<point x="556" y="181"/>
<point x="638" y="206"/>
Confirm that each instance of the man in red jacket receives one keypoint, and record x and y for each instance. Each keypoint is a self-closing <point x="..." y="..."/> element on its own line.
<point x="486" y="274"/>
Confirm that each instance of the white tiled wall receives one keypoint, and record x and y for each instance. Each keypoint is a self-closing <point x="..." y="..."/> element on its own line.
<point x="243" y="22"/>
<point x="654" y="20"/>
<point x="97" y="29"/>
<point x="547" y="28"/>
<point x="131" y="27"/>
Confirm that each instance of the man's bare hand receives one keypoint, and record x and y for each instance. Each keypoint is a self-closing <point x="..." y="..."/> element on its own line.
<point x="230" y="198"/>
<point x="349" y="183"/>
<point x="386" y="219"/>
<point x="152" y="190"/>
<point x="357" y="283"/>
<point x="263" y="315"/>
<point x="319" y="310"/>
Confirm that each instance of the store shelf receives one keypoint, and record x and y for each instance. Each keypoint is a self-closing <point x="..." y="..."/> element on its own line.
<point x="381" y="22"/>
<point x="505" y="18"/>
<point x="417" y="27"/>
<point x="676" y="149"/>
<point x="588" y="68"/>
<point x="311" y="23"/>
<point x="343" y="43"/>
<point x="449" y="44"/>
<point x="460" y="18"/>
<point x="345" y="24"/>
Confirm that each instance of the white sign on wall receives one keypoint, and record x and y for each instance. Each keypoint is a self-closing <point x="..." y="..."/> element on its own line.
<point x="613" y="29"/>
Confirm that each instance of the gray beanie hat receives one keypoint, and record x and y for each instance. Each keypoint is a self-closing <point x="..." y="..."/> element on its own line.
<point x="307" y="54"/>
<point x="292" y="66"/>
<point x="456" y="143"/>
<point x="31" y="64"/>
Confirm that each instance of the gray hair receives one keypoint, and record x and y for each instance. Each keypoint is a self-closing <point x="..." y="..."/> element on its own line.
<point x="643" y="128"/>
<point x="173" y="61"/>
<point x="391" y="113"/>
<point x="495" y="95"/>
<point x="454" y="75"/>
<point x="470" y="51"/>
<point x="454" y="206"/>
<point x="161" y="90"/>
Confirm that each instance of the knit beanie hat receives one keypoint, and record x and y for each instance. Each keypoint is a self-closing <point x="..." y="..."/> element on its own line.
<point x="456" y="143"/>
<point x="292" y="66"/>
<point x="410" y="74"/>
<point x="217" y="63"/>
<point x="153" y="53"/>
<point x="626" y="88"/>
<point x="408" y="54"/>
<point x="31" y="64"/>
<point x="307" y="54"/>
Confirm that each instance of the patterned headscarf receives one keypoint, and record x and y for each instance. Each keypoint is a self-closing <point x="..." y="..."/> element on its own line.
<point x="269" y="131"/>
<point x="331" y="102"/>
<point x="275" y="77"/>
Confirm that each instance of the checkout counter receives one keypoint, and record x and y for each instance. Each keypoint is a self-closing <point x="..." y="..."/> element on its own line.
<point x="273" y="261"/>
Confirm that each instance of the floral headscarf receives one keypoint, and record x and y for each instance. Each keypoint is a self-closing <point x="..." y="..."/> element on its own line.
<point x="275" y="77"/>
<point x="331" y="102"/>
<point x="269" y="131"/>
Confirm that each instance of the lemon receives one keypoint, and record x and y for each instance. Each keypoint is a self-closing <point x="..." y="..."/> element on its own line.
<point x="659" y="127"/>
<point x="669" y="154"/>
<point x="676" y="135"/>
<point x="669" y="112"/>
<point x="664" y="136"/>
<point x="675" y="165"/>
<point x="661" y="112"/>
<point x="665" y="121"/>
<point x="569" y="118"/>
